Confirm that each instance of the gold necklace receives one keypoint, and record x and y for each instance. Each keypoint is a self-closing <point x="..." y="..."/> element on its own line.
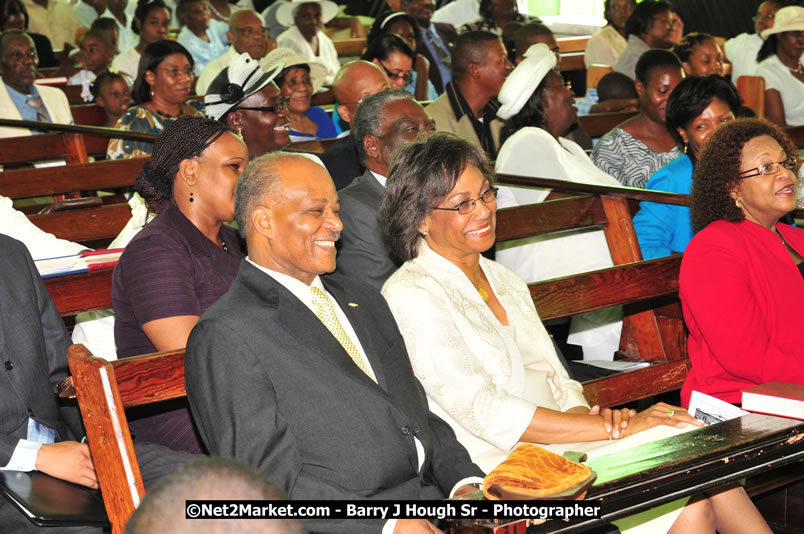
<point x="483" y="294"/>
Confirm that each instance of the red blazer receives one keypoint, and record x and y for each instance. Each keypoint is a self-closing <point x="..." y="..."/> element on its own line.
<point x="743" y="301"/>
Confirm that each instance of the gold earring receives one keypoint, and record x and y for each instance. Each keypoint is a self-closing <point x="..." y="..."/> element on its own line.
<point x="240" y="132"/>
<point x="738" y="203"/>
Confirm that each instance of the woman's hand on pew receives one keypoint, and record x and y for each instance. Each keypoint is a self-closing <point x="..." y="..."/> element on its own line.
<point x="67" y="460"/>
<point x="661" y="414"/>
<point x="614" y="421"/>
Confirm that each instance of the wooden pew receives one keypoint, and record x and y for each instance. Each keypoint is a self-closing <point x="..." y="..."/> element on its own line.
<point x="25" y="183"/>
<point x="92" y="226"/>
<point x="647" y="335"/>
<point x="598" y="124"/>
<point x="350" y="47"/>
<point x="88" y="114"/>
<point x="76" y="293"/>
<point x="25" y="149"/>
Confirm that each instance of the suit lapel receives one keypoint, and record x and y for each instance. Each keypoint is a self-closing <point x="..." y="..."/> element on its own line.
<point x="350" y="304"/>
<point x="373" y="186"/>
<point x="300" y="322"/>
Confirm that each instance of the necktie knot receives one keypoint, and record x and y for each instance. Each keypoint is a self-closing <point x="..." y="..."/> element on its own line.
<point x="41" y="113"/>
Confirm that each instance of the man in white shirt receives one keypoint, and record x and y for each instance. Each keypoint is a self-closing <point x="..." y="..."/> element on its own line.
<point x="20" y="99"/>
<point x="246" y="34"/>
<point x="742" y="50"/>
<point x="305" y="377"/>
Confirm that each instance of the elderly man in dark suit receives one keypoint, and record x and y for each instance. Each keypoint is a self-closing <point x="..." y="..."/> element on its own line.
<point x="383" y="122"/>
<point x="353" y="83"/>
<point x="305" y="377"/>
<point x="36" y="433"/>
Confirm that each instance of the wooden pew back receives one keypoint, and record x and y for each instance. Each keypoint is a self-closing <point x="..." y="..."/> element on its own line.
<point x="648" y="335"/>
<point x="25" y="183"/>
<point x="104" y="390"/>
<point x="25" y="149"/>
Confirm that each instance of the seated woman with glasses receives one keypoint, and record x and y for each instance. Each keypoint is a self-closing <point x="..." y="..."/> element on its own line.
<point x="297" y="82"/>
<point x="247" y="100"/>
<point x="393" y="55"/>
<point x="741" y="281"/>
<point x="164" y="80"/>
<point x="405" y="26"/>
<point x="477" y="344"/>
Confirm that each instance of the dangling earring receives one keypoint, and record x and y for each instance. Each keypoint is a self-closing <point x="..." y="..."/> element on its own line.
<point x="738" y="203"/>
<point x="240" y="132"/>
<point x="685" y="147"/>
<point x="191" y="194"/>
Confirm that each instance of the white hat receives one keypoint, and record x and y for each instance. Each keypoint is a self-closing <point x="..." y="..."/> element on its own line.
<point x="525" y="78"/>
<point x="788" y="19"/>
<point x="235" y="83"/>
<point x="286" y="12"/>
<point x="289" y="58"/>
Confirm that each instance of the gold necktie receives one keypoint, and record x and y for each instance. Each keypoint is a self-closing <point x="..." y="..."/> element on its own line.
<point x="326" y="314"/>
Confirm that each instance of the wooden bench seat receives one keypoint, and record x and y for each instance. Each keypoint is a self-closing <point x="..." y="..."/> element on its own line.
<point x="76" y="293"/>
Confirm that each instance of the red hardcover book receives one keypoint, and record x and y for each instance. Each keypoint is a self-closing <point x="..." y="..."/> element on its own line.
<point x="775" y="398"/>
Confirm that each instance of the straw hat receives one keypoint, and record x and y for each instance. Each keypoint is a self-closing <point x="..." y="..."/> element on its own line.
<point x="289" y="58"/>
<point x="285" y="12"/>
<point x="524" y="79"/>
<point x="235" y="83"/>
<point x="788" y="19"/>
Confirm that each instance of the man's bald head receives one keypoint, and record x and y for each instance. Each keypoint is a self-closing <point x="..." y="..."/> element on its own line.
<point x="18" y="60"/>
<point x="163" y="508"/>
<point x="354" y="82"/>
<point x="287" y="206"/>
<point x="247" y="33"/>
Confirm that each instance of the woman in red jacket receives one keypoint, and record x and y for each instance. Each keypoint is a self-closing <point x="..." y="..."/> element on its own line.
<point x="741" y="282"/>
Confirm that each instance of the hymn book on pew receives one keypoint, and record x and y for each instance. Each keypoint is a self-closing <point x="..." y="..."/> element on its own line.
<point x="87" y="260"/>
<point x="775" y="398"/>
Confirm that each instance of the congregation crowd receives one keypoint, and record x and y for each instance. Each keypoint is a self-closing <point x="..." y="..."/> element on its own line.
<point x="347" y="334"/>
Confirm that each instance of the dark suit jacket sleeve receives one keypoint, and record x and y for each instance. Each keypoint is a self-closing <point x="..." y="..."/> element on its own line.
<point x="234" y="400"/>
<point x="23" y="338"/>
<point x="362" y="252"/>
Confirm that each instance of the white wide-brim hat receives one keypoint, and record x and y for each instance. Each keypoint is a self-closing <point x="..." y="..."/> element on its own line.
<point x="525" y="78"/>
<point x="289" y="58"/>
<point x="235" y="83"/>
<point x="788" y="19"/>
<point x="285" y="12"/>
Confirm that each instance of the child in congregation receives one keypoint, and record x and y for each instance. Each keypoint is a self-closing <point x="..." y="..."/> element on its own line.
<point x="95" y="56"/>
<point x="112" y="93"/>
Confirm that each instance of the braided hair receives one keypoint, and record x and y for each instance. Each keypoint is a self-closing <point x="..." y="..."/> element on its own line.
<point x="185" y="138"/>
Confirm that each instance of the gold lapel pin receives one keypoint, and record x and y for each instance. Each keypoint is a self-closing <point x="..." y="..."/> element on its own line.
<point x="353" y="305"/>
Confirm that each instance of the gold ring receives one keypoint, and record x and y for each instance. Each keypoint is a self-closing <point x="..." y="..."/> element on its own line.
<point x="670" y="413"/>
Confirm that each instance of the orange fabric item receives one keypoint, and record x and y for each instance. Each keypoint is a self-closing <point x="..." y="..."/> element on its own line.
<point x="531" y="472"/>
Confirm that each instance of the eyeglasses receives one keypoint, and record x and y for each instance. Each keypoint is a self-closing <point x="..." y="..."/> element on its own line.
<point x="770" y="168"/>
<point x="252" y="32"/>
<point x="16" y="56"/>
<point x="281" y="105"/>
<point x="468" y="206"/>
<point x="173" y="72"/>
<point x="405" y="76"/>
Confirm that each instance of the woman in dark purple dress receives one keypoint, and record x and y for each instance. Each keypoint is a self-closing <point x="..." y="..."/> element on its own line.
<point x="184" y="259"/>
